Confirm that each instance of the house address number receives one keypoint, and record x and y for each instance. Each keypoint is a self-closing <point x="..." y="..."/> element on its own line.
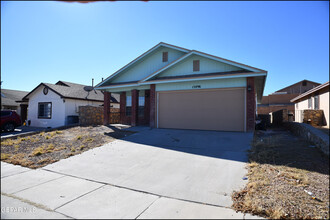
<point x="196" y="86"/>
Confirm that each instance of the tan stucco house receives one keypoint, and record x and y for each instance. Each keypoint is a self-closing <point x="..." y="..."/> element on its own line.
<point x="173" y="87"/>
<point x="314" y="99"/>
<point x="281" y="99"/>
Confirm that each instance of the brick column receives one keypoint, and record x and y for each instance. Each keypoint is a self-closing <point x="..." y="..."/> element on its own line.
<point x="152" y="106"/>
<point x="250" y="104"/>
<point x="106" y="108"/>
<point x="123" y="107"/>
<point x="135" y="102"/>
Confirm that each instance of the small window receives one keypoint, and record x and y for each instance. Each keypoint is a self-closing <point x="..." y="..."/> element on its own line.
<point x="310" y="102"/>
<point x="196" y="65"/>
<point x="165" y="56"/>
<point x="45" y="110"/>
<point x="304" y="83"/>
<point x="128" y="105"/>
<point x="316" y="102"/>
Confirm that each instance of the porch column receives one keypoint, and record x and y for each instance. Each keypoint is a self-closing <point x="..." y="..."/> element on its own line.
<point x="135" y="107"/>
<point x="152" y="105"/>
<point x="250" y="104"/>
<point x="123" y="107"/>
<point x="106" y="108"/>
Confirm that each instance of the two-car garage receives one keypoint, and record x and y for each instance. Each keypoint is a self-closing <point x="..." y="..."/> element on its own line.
<point x="209" y="109"/>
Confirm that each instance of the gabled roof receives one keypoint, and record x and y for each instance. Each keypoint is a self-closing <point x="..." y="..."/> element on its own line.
<point x="146" y="80"/>
<point x="317" y="88"/>
<point x="195" y="52"/>
<point x="9" y="97"/>
<point x="298" y="83"/>
<point x="141" y="57"/>
<point x="73" y="91"/>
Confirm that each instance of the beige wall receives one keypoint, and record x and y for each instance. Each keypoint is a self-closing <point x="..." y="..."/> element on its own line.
<point x="324" y="105"/>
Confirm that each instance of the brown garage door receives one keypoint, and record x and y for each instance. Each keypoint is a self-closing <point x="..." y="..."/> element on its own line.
<point x="218" y="109"/>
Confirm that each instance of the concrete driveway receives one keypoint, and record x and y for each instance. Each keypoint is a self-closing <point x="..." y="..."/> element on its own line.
<point x="158" y="173"/>
<point x="21" y="130"/>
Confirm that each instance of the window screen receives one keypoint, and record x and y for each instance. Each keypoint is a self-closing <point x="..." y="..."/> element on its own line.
<point x="44" y="110"/>
<point x="128" y="105"/>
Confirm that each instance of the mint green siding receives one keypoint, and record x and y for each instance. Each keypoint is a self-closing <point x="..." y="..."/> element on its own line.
<point x="123" y="89"/>
<point x="203" y="84"/>
<point x="149" y="64"/>
<point x="185" y="67"/>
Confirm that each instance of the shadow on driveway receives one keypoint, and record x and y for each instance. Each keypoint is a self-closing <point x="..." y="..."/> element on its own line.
<point x="224" y="145"/>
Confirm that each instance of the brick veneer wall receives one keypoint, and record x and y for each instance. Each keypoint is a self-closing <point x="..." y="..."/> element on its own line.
<point x="250" y="104"/>
<point x="152" y="105"/>
<point x="93" y="115"/>
<point x="309" y="133"/>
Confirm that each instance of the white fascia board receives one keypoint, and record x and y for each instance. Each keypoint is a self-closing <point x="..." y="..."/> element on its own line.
<point x="175" y="48"/>
<point x="180" y="80"/>
<point x="130" y="64"/>
<point x="209" y="78"/>
<point x="227" y="62"/>
<point x="119" y="86"/>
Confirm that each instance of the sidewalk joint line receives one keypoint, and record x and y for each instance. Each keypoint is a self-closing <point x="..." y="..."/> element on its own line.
<point x="78" y="197"/>
<point x="141" y="191"/>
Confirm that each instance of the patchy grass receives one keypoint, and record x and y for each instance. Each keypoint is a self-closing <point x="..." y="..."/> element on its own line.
<point x="5" y="156"/>
<point x="38" y="151"/>
<point x="44" y="148"/>
<point x="287" y="179"/>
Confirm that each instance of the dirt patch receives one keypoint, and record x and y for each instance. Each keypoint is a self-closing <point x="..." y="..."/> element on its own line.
<point x="287" y="178"/>
<point x="41" y="149"/>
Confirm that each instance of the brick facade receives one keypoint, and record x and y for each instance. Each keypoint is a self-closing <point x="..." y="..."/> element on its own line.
<point x="250" y="104"/>
<point x="152" y="105"/>
<point x="93" y="115"/>
<point x="139" y="119"/>
<point x="106" y="108"/>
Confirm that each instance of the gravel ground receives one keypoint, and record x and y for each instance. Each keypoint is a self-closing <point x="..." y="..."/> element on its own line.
<point x="288" y="179"/>
<point x="48" y="147"/>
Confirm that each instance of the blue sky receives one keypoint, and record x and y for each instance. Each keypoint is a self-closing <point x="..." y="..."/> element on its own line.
<point x="51" y="41"/>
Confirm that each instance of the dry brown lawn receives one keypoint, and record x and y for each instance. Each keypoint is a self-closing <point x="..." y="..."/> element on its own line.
<point x="287" y="179"/>
<point x="44" y="148"/>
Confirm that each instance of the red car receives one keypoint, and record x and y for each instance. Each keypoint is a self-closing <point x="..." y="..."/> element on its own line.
<point x="9" y="120"/>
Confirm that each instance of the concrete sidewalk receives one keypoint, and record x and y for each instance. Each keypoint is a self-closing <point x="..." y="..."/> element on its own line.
<point x="41" y="194"/>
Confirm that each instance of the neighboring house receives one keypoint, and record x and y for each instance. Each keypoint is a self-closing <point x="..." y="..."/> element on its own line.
<point x="173" y="87"/>
<point x="314" y="99"/>
<point x="11" y="99"/>
<point x="54" y="105"/>
<point x="281" y="99"/>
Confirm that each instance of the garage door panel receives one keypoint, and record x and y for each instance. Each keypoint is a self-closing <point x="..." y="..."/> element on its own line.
<point x="221" y="109"/>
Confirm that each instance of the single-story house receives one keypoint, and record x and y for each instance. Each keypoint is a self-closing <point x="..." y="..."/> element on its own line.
<point x="314" y="99"/>
<point x="281" y="99"/>
<point x="173" y="87"/>
<point x="55" y="105"/>
<point x="11" y="99"/>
